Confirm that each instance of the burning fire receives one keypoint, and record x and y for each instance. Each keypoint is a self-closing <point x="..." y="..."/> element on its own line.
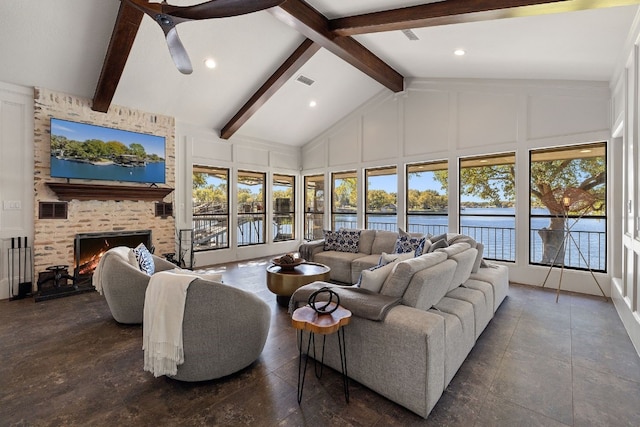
<point x="88" y="266"/>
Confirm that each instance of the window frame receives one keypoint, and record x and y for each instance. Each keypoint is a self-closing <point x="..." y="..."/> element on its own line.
<point x="602" y="236"/>
<point x="289" y="213"/>
<point x="376" y="171"/>
<point x="489" y="235"/>
<point x="313" y="211"/>
<point x="224" y="215"/>
<point x="434" y="229"/>
<point x="260" y="212"/>
<point x="334" y="213"/>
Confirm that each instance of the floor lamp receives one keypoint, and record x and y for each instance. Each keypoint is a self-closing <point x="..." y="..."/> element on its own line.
<point x="573" y="200"/>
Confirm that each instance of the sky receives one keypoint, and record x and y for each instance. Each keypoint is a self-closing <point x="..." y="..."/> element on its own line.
<point x="81" y="132"/>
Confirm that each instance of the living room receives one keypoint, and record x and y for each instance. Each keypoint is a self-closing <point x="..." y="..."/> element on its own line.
<point x="443" y="119"/>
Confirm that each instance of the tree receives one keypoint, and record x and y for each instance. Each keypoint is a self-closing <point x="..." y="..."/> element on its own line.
<point x="346" y="196"/>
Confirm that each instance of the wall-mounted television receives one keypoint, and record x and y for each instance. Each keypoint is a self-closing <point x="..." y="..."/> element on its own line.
<point x="85" y="151"/>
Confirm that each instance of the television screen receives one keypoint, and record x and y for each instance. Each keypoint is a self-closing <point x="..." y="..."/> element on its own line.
<point x="84" y="151"/>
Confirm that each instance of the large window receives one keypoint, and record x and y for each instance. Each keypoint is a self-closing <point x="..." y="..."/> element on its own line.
<point x="427" y="198"/>
<point x="251" y="212"/>
<point x="313" y="207"/>
<point x="210" y="208"/>
<point x="381" y="201"/>
<point x="344" y="192"/>
<point x="284" y="205"/>
<point x="568" y="207"/>
<point x="487" y="203"/>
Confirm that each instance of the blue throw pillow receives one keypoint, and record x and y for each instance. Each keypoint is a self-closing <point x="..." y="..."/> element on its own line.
<point x="421" y="246"/>
<point x="144" y="258"/>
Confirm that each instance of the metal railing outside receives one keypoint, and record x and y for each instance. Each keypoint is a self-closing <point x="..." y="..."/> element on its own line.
<point x="210" y="231"/>
<point x="592" y="244"/>
<point x="499" y="242"/>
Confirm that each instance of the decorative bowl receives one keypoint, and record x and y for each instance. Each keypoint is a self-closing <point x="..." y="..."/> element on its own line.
<point x="289" y="266"/>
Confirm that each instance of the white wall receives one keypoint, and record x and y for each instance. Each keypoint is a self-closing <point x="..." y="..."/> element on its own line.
<point x="203" y="147"/>
<point x="626" y="105"/>
<point x="16" y="174"/>
<point x="447" y="119"/>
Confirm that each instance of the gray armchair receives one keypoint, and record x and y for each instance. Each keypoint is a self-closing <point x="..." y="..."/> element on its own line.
<point x="224" y="329"/>
<point x="124" y="285"/>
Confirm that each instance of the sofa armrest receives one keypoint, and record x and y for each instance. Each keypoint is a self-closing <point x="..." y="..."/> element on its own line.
<point x="309" y="249"/>
<point x="162" y="264"/>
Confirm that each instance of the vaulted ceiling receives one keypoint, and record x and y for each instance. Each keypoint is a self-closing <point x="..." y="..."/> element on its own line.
<point x="352" y="50"/>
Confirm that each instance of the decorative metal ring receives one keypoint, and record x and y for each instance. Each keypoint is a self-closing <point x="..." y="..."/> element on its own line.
<point x="324" y="306"/>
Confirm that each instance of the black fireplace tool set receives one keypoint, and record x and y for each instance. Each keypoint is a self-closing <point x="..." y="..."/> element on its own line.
<point x="20" y="269"/>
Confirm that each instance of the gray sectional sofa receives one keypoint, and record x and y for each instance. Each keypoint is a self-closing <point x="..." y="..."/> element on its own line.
<point x="407" y="341"/>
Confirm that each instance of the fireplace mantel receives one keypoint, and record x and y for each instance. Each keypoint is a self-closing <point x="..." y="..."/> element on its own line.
<point x="68" y="191"/>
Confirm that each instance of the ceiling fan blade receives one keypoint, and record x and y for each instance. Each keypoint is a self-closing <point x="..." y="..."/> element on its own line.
<point x="219" y="8"/>
<point x="178" y="52"/>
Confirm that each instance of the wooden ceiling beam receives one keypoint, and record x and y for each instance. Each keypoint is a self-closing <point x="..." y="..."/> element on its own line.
<point x="459" y="11"/>
<point x="124" y="33"/>
<point x="298" y="58"/>
<point x="315" y="26"/>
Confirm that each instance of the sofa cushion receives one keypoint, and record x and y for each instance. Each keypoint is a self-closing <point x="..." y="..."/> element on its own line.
<point x="372" y="279"/>
<point x="339" y="262"/>
<point x="366" y="241"/>
<point x="397" y="282"/>
<point x="365" y="262"/>
<point x="386" y="258"/>
<point x="405" y="242"/>
<point x="385" y="241"/>
<point x="465" y="259"/>
<point x="478" y="261"/>
<point x="454" y="249"/>
<point x="429" y="285"/>
<point x="144" y="258"/>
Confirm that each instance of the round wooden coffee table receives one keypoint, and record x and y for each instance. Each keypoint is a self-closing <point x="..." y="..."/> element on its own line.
<point x="283" y="282"/>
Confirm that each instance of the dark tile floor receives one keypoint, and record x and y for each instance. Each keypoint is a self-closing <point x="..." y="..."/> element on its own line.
<point x="538" y="363"/>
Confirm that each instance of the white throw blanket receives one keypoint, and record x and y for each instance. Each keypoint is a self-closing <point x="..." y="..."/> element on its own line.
<point x="162" y="324"/>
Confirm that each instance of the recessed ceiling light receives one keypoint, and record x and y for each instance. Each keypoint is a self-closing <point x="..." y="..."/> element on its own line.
<point x="210" y="63"/>
<point x="459" y="52"/>
<point x="312" y="104"/>
<point x="585" y="151"/>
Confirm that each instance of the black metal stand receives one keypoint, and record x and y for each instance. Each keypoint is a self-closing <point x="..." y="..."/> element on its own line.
<point x="343" y="361"/>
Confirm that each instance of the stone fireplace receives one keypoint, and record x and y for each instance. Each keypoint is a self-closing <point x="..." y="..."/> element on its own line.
<point x="115" y="209"/>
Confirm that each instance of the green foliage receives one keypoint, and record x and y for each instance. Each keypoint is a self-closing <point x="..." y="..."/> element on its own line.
<point x="345" y="194"/>
<point x="379" y="200"/>
<point x="427" y="200"/>
<point x="98" y="150"/>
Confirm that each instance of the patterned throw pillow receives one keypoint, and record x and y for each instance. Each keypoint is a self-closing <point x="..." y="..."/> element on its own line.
<point x="348" y="241"/>
<point x="330" y="240"/>
<point x="423" y="246"/>
<point x="405" y="243"/>
<point x="145" y="260"/>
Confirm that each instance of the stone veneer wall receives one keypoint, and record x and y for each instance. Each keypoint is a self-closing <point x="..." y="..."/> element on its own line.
<point x="54" y="238"/>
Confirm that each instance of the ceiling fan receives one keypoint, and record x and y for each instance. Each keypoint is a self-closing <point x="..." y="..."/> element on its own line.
<point x="168" y="16"/>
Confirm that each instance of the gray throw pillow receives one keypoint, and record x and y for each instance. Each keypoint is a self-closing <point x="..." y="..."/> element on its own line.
<point x="442" y="243"/>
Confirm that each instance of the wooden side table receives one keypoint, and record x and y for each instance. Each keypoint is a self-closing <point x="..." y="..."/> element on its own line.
<point x="307" y="319"/>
